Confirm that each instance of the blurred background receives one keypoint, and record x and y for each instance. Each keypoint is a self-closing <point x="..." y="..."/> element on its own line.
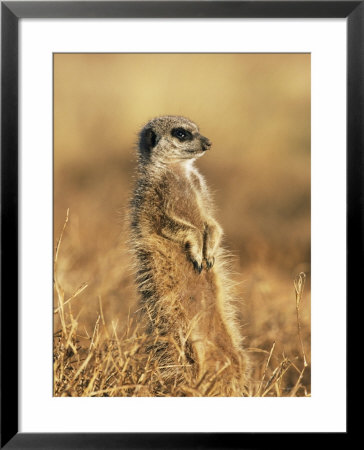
<point x="255" y="108"/>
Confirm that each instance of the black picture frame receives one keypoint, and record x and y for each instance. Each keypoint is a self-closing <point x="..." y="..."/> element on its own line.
<point x="11" y="12"/>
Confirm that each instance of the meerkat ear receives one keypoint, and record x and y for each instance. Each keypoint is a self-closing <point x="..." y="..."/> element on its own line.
<point x="148" y="140"/>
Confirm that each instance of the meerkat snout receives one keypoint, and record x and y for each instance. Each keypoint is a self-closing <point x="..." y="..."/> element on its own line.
<point x="170" y="139"/>
<point x="206" y="143"/>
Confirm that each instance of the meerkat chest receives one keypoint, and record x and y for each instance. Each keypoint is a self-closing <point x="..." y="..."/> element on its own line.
<point x="187" y="199"/>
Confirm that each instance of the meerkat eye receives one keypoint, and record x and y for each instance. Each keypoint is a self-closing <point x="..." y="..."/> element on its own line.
<point x="182" y="134"/>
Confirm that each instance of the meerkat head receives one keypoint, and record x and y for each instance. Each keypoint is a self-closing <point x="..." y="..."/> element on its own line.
<point x="171" y="139"/>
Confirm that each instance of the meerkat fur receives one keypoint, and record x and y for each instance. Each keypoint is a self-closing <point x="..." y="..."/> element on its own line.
<point x="182" y="271"/>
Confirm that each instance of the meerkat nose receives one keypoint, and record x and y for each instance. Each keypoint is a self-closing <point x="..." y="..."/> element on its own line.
<point x="206" y="143"/>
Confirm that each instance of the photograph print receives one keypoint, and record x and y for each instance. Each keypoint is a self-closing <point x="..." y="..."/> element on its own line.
<point x="182" y="224"/>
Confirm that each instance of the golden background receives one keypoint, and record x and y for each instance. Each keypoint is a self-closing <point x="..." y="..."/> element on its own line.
<point x="255" y="108"/>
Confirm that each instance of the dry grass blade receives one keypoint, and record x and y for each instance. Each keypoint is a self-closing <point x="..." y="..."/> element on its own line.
<point x="277" y="375"/>
<point x="112" y="390"/>
<point x="78" y="291"/>
<point x="61" y="236"/>
<point x="265" y="369"/>
<point x="95" y="335"/>
<point x="297" y="385"/>
<point x="81" y="368"/>
<point x="59" y="290"/>
<point x="299" y="284"/>
<point x="214" y="378"/>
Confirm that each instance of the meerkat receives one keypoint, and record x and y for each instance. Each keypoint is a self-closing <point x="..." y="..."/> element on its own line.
<point x="181" y="273"/>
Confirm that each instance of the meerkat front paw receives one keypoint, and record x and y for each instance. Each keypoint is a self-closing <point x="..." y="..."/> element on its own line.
<point x="198" y="267"/>
<point x="209" y="261"/>
<point x="212" y="237"/>
<point x="196" y="261"/>
<point x="194" y="253"/>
